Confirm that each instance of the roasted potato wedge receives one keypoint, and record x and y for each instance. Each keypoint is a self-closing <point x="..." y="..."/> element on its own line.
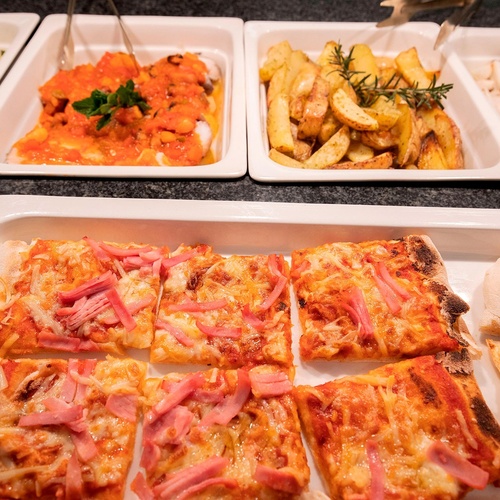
<point x="315" y="108"/>
<point x="381" y="161"/>
<point x="301" y="87"/>
<point x="385" y="112"/>
<point x="278" y="125"/>
<point x="327" y="54"/>
<point x="277" y="55"/>
<point x="331" y="152"/>
<point x="409" y="65"/>
<point x="283" y="159"/>
<point x="364" y="64"/>
<point x="409" y="138"/>
<point x="358" y="151"/>
<point x="431" y="155"/>
<point x="277" y="84"/>
<point x="349" y="113"/>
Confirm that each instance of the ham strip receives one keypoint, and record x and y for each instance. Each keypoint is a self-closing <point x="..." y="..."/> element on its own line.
<point x="98" y="284"/>
<point x="140" y="487"/>
<point x="390" y="297"/>
<point x="179" y="335"/>
<point x="123" y="252"/>
<point x="231" y="405"/>
<point x="180" y="392"/>
<point x="85" y="368"/>
<point x="151" y="454"/>
<point x="70" y="414"/>
<point x="376" y="470"/>
<point x="120" y="309"/>
<point x="219" y="331"/>
<point x="355" y="305"/>
<point x="183" y="257"/>
<point x="55" y="404"/>
<point x="170" y="428"/>
<point x="279" y="479"/>
<point x="74" y="481"/>
<point x="98" y="251"/>
<point x="123" y="406"/>
<point x="132" y="307"/>
<point x="227" y="482"/>
<point x="84" y="444"/>
<point x="88" y="308"/>
<point x="265" y="385"/>
<point x="190" y="476"/>
<point x="49" y="340"/>
<point x="251" y="319"/>
<point x="457" y="466"/>
<point x="383" y="272"/>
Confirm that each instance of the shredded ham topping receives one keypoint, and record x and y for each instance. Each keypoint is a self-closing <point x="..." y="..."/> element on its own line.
<point x="265" y="385"/>
<point x="457" y="466"/>
<point x="355" y="305"/>
<point x="219" y="331"/>
<point x="179" y="335"/>
<point x="376" y="470"/>
<point x="98" y="284"/>
<point x="282" y="479"/>
<point x="123" y="406"/>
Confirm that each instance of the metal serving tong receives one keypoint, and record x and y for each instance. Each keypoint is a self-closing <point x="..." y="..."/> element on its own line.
<point x="66" y="50"/>
<point x="404" y="10"/>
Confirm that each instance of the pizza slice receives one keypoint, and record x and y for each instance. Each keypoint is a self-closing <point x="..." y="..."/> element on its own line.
<point x="67" y="427"/>
<point x="418" y="428"/>
<point x="221" y="434"/>
<point x="376" y="299"/>
<point x="226" y="312"/>
<point x="75" y="296"/>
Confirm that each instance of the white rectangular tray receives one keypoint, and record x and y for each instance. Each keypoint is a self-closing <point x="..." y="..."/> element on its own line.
<point x="15" y="29"/>
<point x="153" y="37"/>
<point x="465" y="103"/>
<point x="468" y="239"/>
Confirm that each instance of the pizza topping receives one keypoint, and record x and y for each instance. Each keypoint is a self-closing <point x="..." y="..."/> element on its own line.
<point x="101" y="283"/>
<point x="270" y="384"/>
<point x="457" y="466"/>
<point x="179" y="335"/>
<point x="276" y="264"/>
<point x="219" y="331"/>
<point x="150" y="457"/>
<point x="85" y="309"/>
<point x="170" y="428"/>
<point x="376" y="470"/>
<point x="124" y="252"/>
<point x="391" y="298"/>
<point x="49" y="340"/>
<point x="84" y="444"/>
<point x="121" y="309"/>
<point x="231" y="405"/>
<point x="74" y="480"/>
<point x="190" y="476"/>
<point x="133" y="308"/>
<point x="183" y="257"/>
<point x="227" y="482"/>
<point x="355" y="305"/>
<point x="69" y="414"/>
<point x="140" y="486"/>
<point x="383" y="273"/>
<point x="251" y="319"/>
<point x="123" y="406"/>
<point x="192" y="306"/>
<point x="283" y="479"/>
<point x="180" y="392"/>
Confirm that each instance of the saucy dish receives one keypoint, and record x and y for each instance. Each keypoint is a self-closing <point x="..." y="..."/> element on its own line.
<point x="118" y="112"/>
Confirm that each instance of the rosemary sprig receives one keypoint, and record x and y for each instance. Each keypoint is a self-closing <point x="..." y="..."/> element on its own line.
<point x="369" y="92"/>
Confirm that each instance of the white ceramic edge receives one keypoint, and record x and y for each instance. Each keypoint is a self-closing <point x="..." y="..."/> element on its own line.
<point x="13" y="207"/>
<point x="261" y="168"/>
<point x="25" y="22"/>
<point x="234" y="162"/>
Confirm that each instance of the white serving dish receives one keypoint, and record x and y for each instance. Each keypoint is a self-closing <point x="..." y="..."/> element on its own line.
<point x="476" y="47"/>
<point x="153" y="37"/>
<point x="465" y="103"/>
<point x="15" y="29"/>
<point x="468" y="239"/>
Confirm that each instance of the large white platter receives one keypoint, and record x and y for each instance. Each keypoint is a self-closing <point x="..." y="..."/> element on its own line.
<point x="466" y="104"/>
<point x="153" y="37"/>
<point x="468" y="239"/>
<point x="15" y="29"/>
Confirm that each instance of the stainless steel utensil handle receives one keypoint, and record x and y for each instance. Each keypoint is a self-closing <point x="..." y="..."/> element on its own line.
<point x="66" y="49"/>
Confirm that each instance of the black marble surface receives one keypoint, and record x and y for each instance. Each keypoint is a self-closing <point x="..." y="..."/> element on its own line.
<point x="471" y="194"/>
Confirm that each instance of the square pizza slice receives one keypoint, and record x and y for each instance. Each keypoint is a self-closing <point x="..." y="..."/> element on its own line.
<point x="418" y="428"/>
<point x="221" y="434"/>
<point x="381" y="299"/>
<point x="226" y="312"/>
<point x="67" y="427"/>
<point x="74" y="296"/>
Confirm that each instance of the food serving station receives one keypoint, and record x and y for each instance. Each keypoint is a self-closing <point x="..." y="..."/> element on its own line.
<point x="244" y="203"/>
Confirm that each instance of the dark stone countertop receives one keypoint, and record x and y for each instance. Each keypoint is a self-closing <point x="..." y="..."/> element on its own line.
<point x="473" y="194"/>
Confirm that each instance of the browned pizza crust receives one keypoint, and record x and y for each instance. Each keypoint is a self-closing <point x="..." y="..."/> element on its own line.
<point x="401" y="411"/>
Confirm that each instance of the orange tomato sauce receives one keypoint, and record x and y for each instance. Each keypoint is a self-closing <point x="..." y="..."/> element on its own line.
<point x="180" y="96"/>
